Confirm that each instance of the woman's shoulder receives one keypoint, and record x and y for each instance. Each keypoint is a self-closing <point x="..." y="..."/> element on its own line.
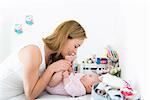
<point x="31" y="48"/>
<point x="31" y="53"/>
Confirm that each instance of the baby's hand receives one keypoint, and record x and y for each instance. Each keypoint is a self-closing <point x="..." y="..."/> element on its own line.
<point x="66" y="74"/>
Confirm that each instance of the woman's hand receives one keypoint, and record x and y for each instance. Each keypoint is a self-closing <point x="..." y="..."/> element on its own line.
<point x="61" y="65"/>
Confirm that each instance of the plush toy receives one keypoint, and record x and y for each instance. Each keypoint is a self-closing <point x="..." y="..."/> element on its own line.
<point x="115" y="71"/>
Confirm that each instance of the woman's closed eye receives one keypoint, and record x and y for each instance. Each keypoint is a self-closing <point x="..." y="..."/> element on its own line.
<point x="76" y="46"/>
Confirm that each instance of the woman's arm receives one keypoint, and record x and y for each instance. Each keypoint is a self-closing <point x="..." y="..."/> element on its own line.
<point x="56" y="79"/>
<point x="31" y="58"/>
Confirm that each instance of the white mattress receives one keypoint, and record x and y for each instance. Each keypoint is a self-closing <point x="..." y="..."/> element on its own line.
<point x="46" y="96"/>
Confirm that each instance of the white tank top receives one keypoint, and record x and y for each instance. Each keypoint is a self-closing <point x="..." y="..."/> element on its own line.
<point x="11" y="71"/>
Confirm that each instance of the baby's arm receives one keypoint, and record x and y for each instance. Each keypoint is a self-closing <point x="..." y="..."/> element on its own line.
<point x="66" y="79"/>
<point x="61" y="76"/>
<point x="56" y="79"/>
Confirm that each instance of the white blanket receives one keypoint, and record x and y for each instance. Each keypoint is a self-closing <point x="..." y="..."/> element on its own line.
<point x="46" y="96"/>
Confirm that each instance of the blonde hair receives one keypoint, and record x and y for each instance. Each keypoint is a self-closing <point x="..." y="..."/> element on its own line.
<point x="67" y="30"/>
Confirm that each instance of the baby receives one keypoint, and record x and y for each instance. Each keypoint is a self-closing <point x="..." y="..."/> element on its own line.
<point x="66" y="83"/>
<point x="73" y="84"/>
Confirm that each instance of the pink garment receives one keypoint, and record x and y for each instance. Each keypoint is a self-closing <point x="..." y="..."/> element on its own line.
<point x="73" y="88"/>
<point x="58" y="89"/>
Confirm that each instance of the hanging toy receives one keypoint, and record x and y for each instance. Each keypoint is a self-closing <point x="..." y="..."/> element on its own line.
<point x="29" y="19"/>
<point x="18" y="28"/>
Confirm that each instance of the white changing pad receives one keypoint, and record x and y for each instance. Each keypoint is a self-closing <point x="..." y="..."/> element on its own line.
<point x="46" y="96"/>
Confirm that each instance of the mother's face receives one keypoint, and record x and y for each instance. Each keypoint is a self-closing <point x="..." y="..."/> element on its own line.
<point x="71" y="46"/>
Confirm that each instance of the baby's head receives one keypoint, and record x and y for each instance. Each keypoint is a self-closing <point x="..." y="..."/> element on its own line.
<point x="88" y="80"/>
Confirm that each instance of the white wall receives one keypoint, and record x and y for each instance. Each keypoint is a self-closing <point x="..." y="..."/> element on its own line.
<point x="122" y="24"/>
<point x="137" y="48"/>
<point x="99" y="23"/>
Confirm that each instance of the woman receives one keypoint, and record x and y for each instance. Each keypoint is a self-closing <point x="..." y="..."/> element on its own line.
<point x="26" y="72"/>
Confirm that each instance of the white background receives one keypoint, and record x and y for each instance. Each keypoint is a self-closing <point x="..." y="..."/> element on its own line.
<point x="124" y="24"/>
